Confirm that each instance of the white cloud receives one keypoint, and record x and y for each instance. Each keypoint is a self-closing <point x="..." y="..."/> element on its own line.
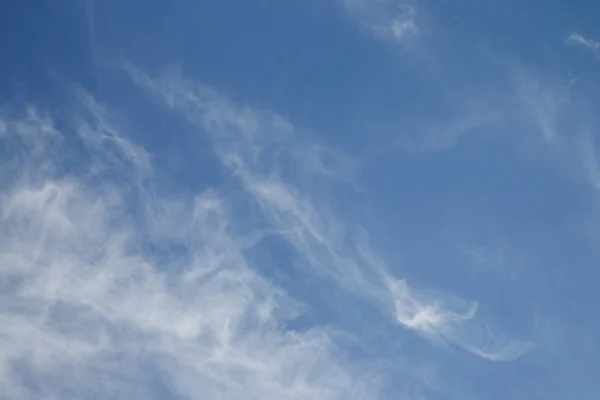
<point x="386" y="19"/>
<point x="401" y="28"/>
<point x="446" y="319"/>
<point x="249" y="143"/>
<point x="576" y="39"/>
<point x="87" y="310"/>
<point x="404" y="24"/>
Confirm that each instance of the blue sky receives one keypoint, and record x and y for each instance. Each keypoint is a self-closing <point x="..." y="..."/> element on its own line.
<point x="301" y="199"/>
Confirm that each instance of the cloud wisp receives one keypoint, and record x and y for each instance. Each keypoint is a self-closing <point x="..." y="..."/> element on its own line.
<point x="249" y="143"/>
<point x="575" y="39"/>
<point x="388" y="20"/>
<point x="561" y="114"/>
<point x="448" y="320"/>
<point x="94" y="306"/>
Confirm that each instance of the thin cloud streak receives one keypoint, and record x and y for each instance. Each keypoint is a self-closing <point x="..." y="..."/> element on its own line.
<point x="553" y="108"/>
<point x="333" y="249"/>
<point x="575" y="39"/>
<point x="543" y="101"/>
<point x="388" y="19"/>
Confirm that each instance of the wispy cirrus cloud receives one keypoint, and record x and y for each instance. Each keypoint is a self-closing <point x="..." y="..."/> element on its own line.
<point x="556" y="108"/>
<point x="333" y="249"/>
<point x="253" y="275"/>
<point x="448" y="320"/>
<point x="544" y="101"/>
<point x="103" y="271"/>
<point x="90" y="309"/>
<point x="387" y="19"/>
<point x="576" y="39"/>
